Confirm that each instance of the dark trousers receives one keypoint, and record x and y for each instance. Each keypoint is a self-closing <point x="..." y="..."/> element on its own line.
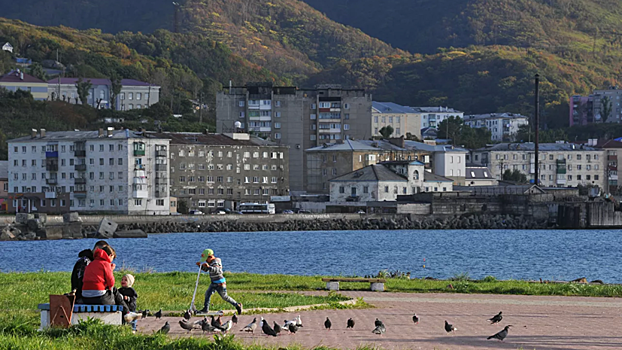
<point x="112" y="297"/>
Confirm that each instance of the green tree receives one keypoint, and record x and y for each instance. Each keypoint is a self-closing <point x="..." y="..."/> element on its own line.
<point x="450" y="128"/>
<point x="83" y="90"/>
<point x="115" y="90"/>
<point x="386" y="131"/>
<point x="606" y="107"/>
<point x="515" y="176"/>
<point x="36" y="70"/>
<point x="182" y="206"/>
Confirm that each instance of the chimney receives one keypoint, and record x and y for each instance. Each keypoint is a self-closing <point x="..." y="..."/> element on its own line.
<point x="33" y="133"/>
<point x="42" y="133"/>
<point x="109" y="131"/>
<point x="100" y="132"/>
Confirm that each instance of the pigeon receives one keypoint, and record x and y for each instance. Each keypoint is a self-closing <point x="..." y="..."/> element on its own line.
<point x="265" y="327"/>
<point x="158" y="314"/>
<point x="145" y="313"/>
<point x="501" y="335"/>
<point x="226" y="327"/>
<point x="449" y="327"/>
<point x="201" y="322"/>
<point x="297" y="321"/>
<point x="251" y="326"/>
<point x="350" y="323"/>
<point x="415" y="319"/>
<point x="277" y="328"/>
<point x="380" y="329"/>
<point x="206" y="327"/>
<point x="216" y="322"/>
<point x="234" y="319"/>
<point x="165" y="328"/>
<point x="292" y="328"/>
<point x="188" y="315"/>
<point x="377" y="322"/>
<point x="185" y="325"/>
<point x="498" y="317"/>
<point x="327" y="324"/>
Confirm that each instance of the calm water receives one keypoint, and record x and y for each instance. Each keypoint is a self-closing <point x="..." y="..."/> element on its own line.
<point x="565" y="255"/>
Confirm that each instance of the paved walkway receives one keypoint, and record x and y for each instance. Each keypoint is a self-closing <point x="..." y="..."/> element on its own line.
<point x="540" y="323"/>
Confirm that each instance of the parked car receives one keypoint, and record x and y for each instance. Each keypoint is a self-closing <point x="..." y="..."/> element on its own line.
<point x="361" y="212"/>
<point x="196" y="212"/>
<point x="221" y="212"/>
<point x="304" y="212"/>
<point x="287" y="211"/>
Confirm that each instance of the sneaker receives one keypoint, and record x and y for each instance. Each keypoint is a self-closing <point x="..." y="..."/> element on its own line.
<point x="202" y="311"/>
<point x="238" y="307"/>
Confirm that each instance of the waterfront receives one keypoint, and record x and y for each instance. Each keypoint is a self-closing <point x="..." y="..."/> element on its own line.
<point x="505" y="254"/>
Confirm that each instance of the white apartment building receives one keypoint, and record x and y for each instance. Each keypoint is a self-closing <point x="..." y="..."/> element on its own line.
<point x="502" y="126"/>
<point x="561" y="164"/>
<point x="431" y="117"/>
<point x="105" y="171"/>
<point x="404" y="120"/>
<point x="446" y="160"/>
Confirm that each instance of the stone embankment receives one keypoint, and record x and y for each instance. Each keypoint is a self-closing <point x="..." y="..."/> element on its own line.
<point x="386" y="223"/>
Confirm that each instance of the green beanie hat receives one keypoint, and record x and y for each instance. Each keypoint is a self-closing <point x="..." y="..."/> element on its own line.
<point x="205" y="254"/>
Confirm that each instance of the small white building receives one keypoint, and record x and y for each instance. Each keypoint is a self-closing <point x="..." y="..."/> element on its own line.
<point x="431" y="117"/>
<point x="502" y="126"/>
<point x="105" y="171"/>
<point x="447" y="160"/>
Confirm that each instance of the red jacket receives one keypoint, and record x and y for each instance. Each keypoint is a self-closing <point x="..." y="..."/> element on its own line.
<point x="98" y="274"/>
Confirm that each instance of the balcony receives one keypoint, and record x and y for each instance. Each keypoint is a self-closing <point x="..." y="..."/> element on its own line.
<point x="160" y="194"/>
<point x="81" y="153"/>
<point x="160" y="153"/>
<point x="52" y="181"/>
<point x="611" y="158"/>
<point x="160" y="167"/>
<point x="140" y="194"/>
<point x="139" y="167"/>
<point x="80" y="181"/>
<point x="139" y="152"/>
<point x="80" y="167"/>
<point x="79" y="194"/>
<point x="51" y="167"/>
<point x="52" y="154"/>
<point x="161" y="181"/>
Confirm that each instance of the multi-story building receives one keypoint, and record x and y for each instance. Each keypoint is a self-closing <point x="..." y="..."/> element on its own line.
<point x="329" y="161"/>
<point x="218" y="171"/>
<point x="112" y="171"/>
<point x="581" y="110"/>
<point x="561" y="164"/>
<point x="431" y="117"/>
<point x="4" y="184"/>
<point x="611" y="148"/>
<point x="613" y="95"/>
<point x="502" y="126"/>
<point x="134" y="94"/>
<point x="445" y="160"/>
<point x="298" y="118"/>
<point x="405" y="121"/>
<point x="18" y="80"/>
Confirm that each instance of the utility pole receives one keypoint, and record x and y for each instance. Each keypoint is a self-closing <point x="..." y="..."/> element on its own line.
<point x="537" y="122"/>
<point x="176" y="18"/>
<point x="201" y="108"/>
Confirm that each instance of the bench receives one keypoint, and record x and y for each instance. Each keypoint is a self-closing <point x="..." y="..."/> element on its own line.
<point x="377" y="284"/>
<point x="109" y="314"/>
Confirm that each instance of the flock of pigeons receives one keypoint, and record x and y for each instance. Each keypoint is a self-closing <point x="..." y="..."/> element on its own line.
<point x="292" y="326"/>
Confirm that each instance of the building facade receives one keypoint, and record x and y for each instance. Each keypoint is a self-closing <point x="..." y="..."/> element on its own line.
<point x="105" y="171"/>
<point x="18" y="80"/>
<point x="445" y="160"/>
<point x="298" y="118"/>
<point x="581" y="110"/>
<point x="561" y="164"/>
<point x="134" y="94"/>
<point x="590" y="109"/>
<point x="405" y="121"/>
<point x="431" y="117"/>
<point x="503" y="127"/>
<point x="211" y="172"/>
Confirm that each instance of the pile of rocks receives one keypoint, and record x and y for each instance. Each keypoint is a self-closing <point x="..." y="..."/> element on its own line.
<point x="34" y="226"/>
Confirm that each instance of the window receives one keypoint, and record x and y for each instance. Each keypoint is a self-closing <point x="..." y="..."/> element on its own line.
<point x="578" y="157"/>
<point x="241" y="103"/>
<point x="342" y="189"/>
<point x="313" y="116"/>
<point x="346" y="106"/>
<point x="588" y="177"/>
<point x="138" y="202"/>
<point x="347" y="127"/>
<point x="277" y="136"/>
<point x="386" y="189"/>
<point x="595" y="177"/>
<point x="578" y="177"/>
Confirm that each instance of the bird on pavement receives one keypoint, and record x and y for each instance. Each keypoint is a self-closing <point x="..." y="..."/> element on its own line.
<point x="216" y="322"/>
<point x="496" y="319"/>
<point x="234" y="319"/>
<point x="145" y="313"/>
<point x="327" y="324"/>
<point x="187" y="315"/>
<point x="297" y="321"/>
<point x="206" y="327"/>
<point x="350" y="323"/>
<point x="265" y="327"/>
<point x="449" y="327"/>
<point x="292" y="328"/>
<point x="185" y="325"/>
<point x="251" y="326"/>
<point x="201" y="322"/>
<point x="380" y="329"/>
<point x="226" y="327"/>
<point x="158" y="314"/>
<point x="502" y="334"/>
<point x="165" y="328"/>
<point x="415" y="319"/>
<point x="377" y="322"/>
<point x="277" y="328"/>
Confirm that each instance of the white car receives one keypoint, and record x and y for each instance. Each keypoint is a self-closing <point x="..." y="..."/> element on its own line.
<point x="195" y="212"/>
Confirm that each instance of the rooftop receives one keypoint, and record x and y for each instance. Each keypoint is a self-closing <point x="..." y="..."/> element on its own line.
<point x="430" y="177"/>
<point x="530" y="146"/>
<point x="196" y="138"/>
<point x="494" y="115"/>
<point x="346" y="146"/>
<point x="15" y="76"/>
<point x="383" y="145"/>
<point x="390" y="107"/>
<point x="82" y="135"/>
<point x="478" y="173"/>
<point x="371" y="173"/>
<point x="433" y="148"/>
<point x="98" y="81"/>
<point x="435" y="110"/>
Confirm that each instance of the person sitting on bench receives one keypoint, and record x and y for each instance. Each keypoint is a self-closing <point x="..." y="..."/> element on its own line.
<point x="84" y="258"/>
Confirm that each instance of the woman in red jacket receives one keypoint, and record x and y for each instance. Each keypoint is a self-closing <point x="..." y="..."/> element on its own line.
<point x="98" y="281"/>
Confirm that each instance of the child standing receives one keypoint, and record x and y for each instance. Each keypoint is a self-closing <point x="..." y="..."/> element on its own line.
<point x="129" y="295"/>
<point x="213" y="265"/>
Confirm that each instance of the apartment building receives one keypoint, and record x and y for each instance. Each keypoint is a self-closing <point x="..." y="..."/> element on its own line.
<point x="589" y="109"/>
<point x="561" y="164"/>
<point x="502" y="126"/>
<point x="431" y="117"/>
<point x="134" y="94"/>
<point x="297" y="118"/>
<point x="404" y="120"/>
<point x="104" y="171"/>
<point x="329" y="161"/>
<point x="581" y="110"/>
<point x="217" y="171"/>
<point x="17" y="80"/>
<point x="445" y="160"/>
<point x="611" y="148"/>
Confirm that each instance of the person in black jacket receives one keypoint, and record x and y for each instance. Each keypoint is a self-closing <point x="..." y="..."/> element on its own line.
<point x="84" y="258"/>
<point x="129" y="295"/>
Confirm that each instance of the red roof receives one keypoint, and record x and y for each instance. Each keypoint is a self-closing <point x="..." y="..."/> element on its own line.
<point x="16" y="77"/>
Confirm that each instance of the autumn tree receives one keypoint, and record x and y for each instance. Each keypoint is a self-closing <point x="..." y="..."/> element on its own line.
<point x="83" y="90"/>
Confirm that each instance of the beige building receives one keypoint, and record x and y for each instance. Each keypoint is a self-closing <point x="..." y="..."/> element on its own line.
<point x="405" y="121"/>
<point x="329" y="161"/>
<point x="561" y="164"/>
<point x="18" y="80"/>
